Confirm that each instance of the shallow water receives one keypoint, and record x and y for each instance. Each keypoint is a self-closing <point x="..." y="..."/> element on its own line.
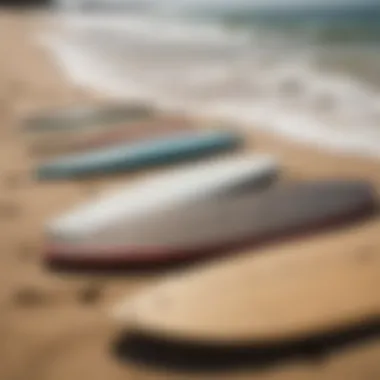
<point x="310" y="74"/>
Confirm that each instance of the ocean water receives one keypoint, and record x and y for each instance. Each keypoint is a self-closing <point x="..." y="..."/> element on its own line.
<point x="308" y="71"/>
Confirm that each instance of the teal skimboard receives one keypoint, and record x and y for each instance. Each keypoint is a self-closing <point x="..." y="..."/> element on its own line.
<point x="127" y="157"/>
<point x="82" y="117"/>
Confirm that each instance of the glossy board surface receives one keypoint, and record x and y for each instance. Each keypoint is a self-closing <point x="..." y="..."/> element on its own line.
<point x="178" y="147"/>
<point x="217" y="224"/>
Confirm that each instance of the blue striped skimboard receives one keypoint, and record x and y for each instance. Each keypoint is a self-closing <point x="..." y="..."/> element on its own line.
<point x="127" y="157"/>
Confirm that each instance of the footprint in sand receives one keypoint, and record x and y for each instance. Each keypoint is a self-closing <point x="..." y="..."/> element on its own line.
<point x="13" y="180"/>
<point x="9" y="209"/>
<point x="36" y="296"/>
<point x="90" y="294"/>
<point x="30" y="297"/>
<point x="82" y="353"/>
<point x="26" y="251"/>
<point x="366" y="254"/>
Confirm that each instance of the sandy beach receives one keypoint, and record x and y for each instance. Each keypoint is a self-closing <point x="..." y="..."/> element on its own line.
<point x="55" y="327"/>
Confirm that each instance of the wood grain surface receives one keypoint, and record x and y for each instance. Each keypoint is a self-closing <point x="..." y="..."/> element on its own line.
<point x="285" y="295"/>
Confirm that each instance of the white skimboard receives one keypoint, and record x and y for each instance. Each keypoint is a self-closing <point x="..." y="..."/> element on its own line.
<point x="115" y="210"/>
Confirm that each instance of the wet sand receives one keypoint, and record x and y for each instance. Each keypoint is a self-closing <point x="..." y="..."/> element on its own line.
<point x="55" y="326"/>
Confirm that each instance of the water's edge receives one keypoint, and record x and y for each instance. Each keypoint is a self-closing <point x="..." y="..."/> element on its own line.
<point x="188" y="68"/>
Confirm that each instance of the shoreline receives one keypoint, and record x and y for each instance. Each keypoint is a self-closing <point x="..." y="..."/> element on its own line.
<point x="322" y="90"/>
<point x="50" y="327"/>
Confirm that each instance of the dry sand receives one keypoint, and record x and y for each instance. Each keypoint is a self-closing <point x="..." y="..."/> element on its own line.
<point x="55" y="326"/>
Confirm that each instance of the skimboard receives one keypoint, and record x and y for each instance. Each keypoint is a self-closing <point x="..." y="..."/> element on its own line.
<point x="164" y="191"/>
<point x="177" y="147"/>
<point x="289" y="294"/>
<point x="209" y="226"/>
<point x="88" y="139"/>
<point x="89" y="116"/>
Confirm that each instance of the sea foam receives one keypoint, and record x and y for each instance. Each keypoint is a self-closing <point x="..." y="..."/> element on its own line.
<point x="252" y="78"/>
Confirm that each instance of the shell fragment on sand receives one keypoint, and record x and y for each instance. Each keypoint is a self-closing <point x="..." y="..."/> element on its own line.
<point x="288" y="294"/>
<point x="178" y="147"/>
<point x="207" y="226"/>
<point x="89" y="116"/>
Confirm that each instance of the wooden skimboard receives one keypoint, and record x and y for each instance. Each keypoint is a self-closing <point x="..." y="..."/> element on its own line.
<point x="175" y="148"/>
<point x="287" y="294"/>
<point x="84" y="140"/>
<point x="212" y="225"/>
<point x="88" y="116"/>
